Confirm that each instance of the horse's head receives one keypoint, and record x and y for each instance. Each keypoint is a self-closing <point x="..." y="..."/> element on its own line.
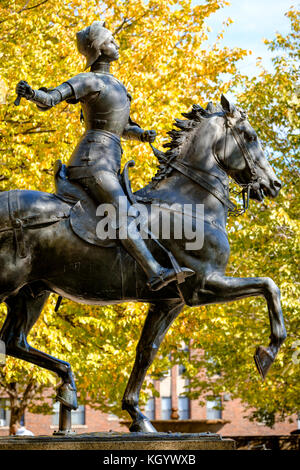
<point x="239" y="153"/>
<point x="218" y="136"/>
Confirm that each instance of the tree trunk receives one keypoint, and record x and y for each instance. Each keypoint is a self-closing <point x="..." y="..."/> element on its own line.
<point x="16" y="409"/>
<point x="15" y="419"/>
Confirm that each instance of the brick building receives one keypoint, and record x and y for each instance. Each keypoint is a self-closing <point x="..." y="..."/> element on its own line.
<point x="170" y="403"/>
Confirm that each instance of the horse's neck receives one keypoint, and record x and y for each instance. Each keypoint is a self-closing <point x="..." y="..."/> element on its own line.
<point x="179" y="188"/>
<point x="199" y="155"/>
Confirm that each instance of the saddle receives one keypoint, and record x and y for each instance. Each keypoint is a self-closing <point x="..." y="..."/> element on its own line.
<point x="83" y="219"/>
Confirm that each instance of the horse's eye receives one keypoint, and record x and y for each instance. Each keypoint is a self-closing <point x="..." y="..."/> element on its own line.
<point x="249" y="137"/>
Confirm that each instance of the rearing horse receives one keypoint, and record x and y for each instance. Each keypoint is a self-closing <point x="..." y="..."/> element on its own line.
<point x="39" y="257"/>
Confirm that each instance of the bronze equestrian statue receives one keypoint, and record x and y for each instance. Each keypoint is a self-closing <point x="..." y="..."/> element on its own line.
<point x="95" y="163"/>
<point x="49" y="243"/>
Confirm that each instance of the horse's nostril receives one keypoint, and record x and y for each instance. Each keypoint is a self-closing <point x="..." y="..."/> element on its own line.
<point x="277" y="184"/>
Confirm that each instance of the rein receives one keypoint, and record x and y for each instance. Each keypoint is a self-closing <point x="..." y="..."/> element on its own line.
<point x="184" y="168"/>
<point x="249" y="160"/>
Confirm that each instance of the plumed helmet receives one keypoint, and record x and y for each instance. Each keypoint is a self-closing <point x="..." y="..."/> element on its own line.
<point x="90" y="39"/>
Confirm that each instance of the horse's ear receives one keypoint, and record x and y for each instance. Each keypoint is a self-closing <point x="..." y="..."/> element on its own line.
<point x="227" y="106"/>
<point x="210" y="107"/>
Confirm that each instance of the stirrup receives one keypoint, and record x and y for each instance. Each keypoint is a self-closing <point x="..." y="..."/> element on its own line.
<point x="166" y="276"/>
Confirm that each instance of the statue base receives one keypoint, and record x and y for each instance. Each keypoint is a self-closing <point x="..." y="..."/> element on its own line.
<point x="119" y="441"/>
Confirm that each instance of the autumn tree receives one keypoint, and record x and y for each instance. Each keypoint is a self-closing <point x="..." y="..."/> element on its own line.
<point x="264" y="242"/>
<point x="166" y="65"/>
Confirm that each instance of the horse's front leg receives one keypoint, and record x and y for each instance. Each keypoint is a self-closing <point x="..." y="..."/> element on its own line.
<point x="158" y="321"/>
<point x="219" y="289"/>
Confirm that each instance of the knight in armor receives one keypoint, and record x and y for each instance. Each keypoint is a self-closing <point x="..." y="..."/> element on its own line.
<point x="96" y="161"/>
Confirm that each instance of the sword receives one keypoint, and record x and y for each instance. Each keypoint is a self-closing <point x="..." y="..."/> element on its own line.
<point x="17" y="100"/>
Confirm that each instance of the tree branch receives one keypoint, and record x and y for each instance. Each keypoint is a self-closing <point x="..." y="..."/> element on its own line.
<point x="25" y="8"/>
<point x="68" y="320"/>
<point x="12" y="390"/>
<point x="49" y="171"/>
<point x="3" y="384"/>
<point x="118" y="29"/>
<point x="28" y="394"/>
<point x="34" y="6"/>
<point x="126" y="20"/>
<point x="31" y="131"/>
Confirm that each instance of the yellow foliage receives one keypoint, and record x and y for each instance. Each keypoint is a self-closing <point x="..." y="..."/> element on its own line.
<point x="167" y="66"/>
<point x="163" y="64"/>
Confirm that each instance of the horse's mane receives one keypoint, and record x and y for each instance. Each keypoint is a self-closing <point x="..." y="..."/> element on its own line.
<point x="179" y="137"/>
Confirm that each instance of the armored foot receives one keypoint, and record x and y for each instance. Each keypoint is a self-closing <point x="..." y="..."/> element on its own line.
<point x="166" y="276"/>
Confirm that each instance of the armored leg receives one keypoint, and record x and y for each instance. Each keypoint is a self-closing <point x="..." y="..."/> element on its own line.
<point x="105" y="187"/>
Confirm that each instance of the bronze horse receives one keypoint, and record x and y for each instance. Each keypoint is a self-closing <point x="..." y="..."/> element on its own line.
<point x="39" y="257"/>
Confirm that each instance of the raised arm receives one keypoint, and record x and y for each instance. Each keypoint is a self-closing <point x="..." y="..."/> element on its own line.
<point x="73" y="90"/>
<point x="43" y="98"/>
<point x="133" y="131"/>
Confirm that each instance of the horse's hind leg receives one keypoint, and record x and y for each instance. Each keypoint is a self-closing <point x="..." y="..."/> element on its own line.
<point x="158" y="321"/>
<point x="23" y="311"/>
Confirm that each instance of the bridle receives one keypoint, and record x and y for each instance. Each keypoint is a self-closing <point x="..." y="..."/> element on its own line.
<point x="187" y="170"/>
<point x="254" y="180"/>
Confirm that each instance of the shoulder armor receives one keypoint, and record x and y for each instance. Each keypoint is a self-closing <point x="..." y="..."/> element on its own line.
<point x="85" y="83"/>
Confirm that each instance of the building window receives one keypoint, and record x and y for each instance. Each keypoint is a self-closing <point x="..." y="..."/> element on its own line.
<point x="150" y="409"/>
<point x="166" y="407"/>
<point x="4" y="412"/>
<point x="184" y="407"/>
<point x="213" y="408"/>
<point x="78" y="416"/>
<point x="165" y="387"/>
<point x="182" y="387"/>
<point x="111" y="415"/>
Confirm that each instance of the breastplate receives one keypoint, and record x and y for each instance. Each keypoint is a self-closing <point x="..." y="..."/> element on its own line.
<point x="108" y="110"/>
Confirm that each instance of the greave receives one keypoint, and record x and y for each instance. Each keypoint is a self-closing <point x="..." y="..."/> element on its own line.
<point x="136" y="247"/>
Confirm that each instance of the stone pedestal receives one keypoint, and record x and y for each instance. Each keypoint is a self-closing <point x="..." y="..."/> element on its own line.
<point x="119" y="441"/>
<point x="190" y="426"/>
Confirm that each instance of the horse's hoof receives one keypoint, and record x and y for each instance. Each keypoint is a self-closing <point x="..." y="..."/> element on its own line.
<point x="67" y="395"/>
<point x="142" y="425"/>
<point x="263" y="360"/>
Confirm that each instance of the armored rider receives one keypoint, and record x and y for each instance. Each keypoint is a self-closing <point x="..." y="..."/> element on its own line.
<point x="95" y="162"/>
